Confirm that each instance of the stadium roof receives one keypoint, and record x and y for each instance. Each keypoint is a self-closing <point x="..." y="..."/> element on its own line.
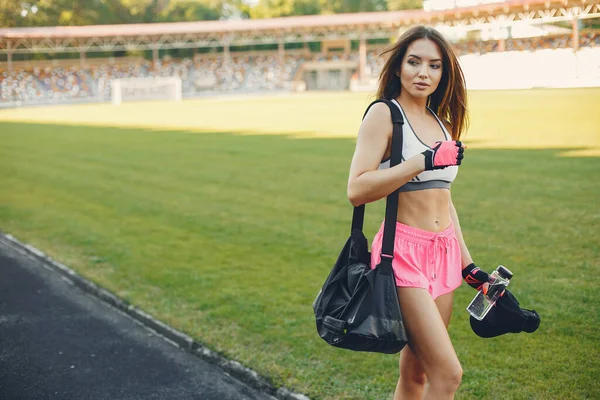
<point x="284" y="24"/>
<point x="302" y="29"/>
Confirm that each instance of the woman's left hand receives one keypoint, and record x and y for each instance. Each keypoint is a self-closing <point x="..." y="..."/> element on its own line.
<point x="444" y="154"/>
<point x="476" y="278"/>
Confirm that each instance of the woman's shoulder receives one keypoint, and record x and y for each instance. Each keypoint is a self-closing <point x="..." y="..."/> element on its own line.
<point x="379" y="108"/>
<point x="379" y="112"/>
<point x="377" y="120"/>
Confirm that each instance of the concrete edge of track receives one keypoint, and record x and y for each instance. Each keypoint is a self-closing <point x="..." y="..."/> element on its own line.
<point x="173" y="336"/>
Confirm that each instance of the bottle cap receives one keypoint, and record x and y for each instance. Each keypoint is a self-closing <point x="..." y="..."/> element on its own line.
<point x="504" y="272"/>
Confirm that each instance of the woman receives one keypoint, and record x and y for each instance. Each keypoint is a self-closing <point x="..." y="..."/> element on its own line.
<point x="423" y="78"/>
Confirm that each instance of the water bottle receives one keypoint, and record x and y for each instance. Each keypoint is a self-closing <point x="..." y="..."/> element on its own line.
<point x="483" y="303"/>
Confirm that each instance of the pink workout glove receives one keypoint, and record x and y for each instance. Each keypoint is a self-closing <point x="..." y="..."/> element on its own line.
<point x="443" y="154"/>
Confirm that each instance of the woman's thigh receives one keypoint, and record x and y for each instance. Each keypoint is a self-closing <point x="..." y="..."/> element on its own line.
<point x="444" y="306"/>
<point x="426" y="322"/>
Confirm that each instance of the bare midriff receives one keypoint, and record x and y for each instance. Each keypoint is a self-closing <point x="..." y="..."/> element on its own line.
<point x="427" y="210"/>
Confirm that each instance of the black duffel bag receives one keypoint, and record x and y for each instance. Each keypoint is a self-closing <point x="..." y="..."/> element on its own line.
<point x="357" y="307"/>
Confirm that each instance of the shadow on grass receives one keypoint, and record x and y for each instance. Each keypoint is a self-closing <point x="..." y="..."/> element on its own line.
<point x="73" y="129"/>
<point x="200" y="135"/>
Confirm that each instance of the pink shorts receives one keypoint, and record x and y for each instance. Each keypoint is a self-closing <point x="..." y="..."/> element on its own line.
<point x="423" y="259"/>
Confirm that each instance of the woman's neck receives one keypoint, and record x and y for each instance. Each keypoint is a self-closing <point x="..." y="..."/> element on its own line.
<point x="412" y="105"/>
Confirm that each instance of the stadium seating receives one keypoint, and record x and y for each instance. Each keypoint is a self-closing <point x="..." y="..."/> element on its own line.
<point x="527" y="62"/>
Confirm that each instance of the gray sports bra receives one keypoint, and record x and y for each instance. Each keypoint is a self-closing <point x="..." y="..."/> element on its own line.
<point x="411" y="146"/>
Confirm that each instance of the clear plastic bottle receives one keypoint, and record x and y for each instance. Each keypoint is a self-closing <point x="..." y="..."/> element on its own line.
<point x="482" y="303"/>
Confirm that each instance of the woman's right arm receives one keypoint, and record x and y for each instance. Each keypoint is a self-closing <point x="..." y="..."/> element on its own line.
<point x="366" y="183"/>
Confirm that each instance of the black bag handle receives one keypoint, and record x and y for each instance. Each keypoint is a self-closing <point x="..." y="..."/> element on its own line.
<point x="391" y="207"/>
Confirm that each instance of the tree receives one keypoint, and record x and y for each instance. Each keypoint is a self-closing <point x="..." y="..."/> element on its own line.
<point x="188" y="10"/>
<point x="394" y="5"/>
<point x="307" y="7"/>
<point x="10" y="13"/>
<point x="271" y="9"/>
<point x="352" y="6"/>
<point x="17" y="13"/>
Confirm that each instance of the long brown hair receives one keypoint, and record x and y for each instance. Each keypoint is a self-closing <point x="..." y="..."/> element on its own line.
<point x="449" y="101"/>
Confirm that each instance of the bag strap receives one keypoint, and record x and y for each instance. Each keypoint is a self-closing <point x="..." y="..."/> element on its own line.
<point x="391" y="207"/>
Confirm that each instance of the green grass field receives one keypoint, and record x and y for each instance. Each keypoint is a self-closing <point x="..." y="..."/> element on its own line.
<point x="222" y="217"/>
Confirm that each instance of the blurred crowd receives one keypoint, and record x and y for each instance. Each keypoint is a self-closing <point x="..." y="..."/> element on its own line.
<point x="245" y="73"/>
<point x="526" y="44"/>
<point x="212" y="73"/>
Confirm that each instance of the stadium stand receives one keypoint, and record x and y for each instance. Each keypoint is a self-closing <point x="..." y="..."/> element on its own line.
<point x="201" y="75"/>
<point x="525" y="62"/>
